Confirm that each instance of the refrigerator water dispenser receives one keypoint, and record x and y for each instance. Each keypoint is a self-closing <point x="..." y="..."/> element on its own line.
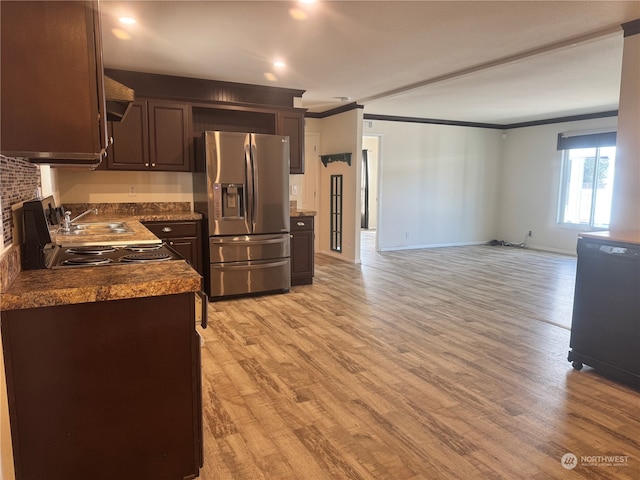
<point x="228" y="201"/>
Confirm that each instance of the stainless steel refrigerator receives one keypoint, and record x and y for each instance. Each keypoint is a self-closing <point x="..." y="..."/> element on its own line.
<point x="241" y="186"/>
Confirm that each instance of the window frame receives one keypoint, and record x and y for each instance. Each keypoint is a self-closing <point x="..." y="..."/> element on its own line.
<point x="565" y="182"/>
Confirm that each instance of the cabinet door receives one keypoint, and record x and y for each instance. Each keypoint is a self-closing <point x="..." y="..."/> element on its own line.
<point x="292" y="125"/>
<point x="183" y="236"/>
<point x="187" y="248"/>
<point x="130" y="149"/>
<point x="169" y="136"/>
<point x="52" y="80"/>
<point x="114" y="384"/>
<point x="302" y="251"/>
<point x="301" y="257"/>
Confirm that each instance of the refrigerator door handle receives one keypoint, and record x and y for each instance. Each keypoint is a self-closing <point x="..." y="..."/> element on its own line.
<point x="249" y="265"/>
<point x="255" y="191"/>
<point x="249" y="180"/>
<point x="248" y="240"/>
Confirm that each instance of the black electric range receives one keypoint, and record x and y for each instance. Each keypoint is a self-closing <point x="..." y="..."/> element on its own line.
<point x="101" y="255"/>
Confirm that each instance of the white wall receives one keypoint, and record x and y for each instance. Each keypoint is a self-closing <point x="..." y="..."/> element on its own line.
<point x="625" y="213"/>
<point x="438" y="184"/>
<point x="531" y="185"/>
<point x="83" y="186"/>
<point x="339" y="134"/>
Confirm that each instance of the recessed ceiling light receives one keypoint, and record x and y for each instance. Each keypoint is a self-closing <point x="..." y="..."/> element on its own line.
<point x="279" y="64"/>
<point x="298" y="14"/>
<point x="127" y="20"/>
<point x="307" y="1"/>
<point x="120" y="34"/>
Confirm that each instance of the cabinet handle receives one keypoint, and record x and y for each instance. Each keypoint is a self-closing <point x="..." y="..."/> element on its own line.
<point x="153" y="164"/>
<point x="171" y="243"/>
<point x="301" y="224"/>
<point x="167" y="229"/>
<point x="291" y="235"/>
<point x="146" y="164"/>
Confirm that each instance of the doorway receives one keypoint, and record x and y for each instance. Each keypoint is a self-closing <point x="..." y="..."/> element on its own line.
<point x="369" y="192"/>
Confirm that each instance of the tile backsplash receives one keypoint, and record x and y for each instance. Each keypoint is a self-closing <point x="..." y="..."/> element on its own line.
<point x="19" y="181"/>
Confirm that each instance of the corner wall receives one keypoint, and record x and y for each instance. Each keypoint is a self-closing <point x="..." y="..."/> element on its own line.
<point x="439" y="184"/>
<point x="338" y="134"/>
<point x="530" y="186"/>
<point x="625" y="211"/>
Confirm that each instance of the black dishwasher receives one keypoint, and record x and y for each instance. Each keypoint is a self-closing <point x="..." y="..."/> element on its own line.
<point x="605" y="327"/>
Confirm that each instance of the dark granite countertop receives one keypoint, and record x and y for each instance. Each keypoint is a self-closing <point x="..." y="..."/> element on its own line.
<point x="51" y="287"/>
<point x="302" y="213"/>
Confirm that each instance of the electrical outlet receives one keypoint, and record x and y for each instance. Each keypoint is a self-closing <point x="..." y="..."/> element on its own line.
<point x="132" y="191"/>
<point x="406" y="234"/>
<point x="530" y="234"/>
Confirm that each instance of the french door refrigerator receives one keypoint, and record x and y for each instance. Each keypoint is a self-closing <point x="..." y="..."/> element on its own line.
<point x="241" y="186"/>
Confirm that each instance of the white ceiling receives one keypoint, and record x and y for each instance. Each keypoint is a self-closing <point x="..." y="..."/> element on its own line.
<point x="498" y="62"/>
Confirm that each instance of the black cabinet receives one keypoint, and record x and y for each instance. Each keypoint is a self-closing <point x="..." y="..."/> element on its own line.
<point x="605" y="329"/>
<point x="154" y="135"/>
<point x="302" y="250"/>
<point x="183" y="236"/>
<point x="52" y="85"/>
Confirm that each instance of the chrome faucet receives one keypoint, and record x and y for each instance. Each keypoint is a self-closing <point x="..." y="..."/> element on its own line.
<point x="67" y="221"/>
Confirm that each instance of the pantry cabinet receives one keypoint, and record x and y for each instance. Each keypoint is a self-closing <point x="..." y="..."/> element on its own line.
<point x="153" y="136"/>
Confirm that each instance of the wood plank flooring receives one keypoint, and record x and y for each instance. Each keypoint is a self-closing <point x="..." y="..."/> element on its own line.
<point x="445" y="363"/>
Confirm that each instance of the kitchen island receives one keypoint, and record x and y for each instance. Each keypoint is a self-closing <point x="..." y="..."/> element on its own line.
<point x="103" y="372"/>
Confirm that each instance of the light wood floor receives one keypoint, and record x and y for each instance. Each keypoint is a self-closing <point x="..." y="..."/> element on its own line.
<point x="445" y="363"/>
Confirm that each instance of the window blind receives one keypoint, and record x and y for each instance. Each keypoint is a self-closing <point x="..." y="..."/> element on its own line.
<point x="605" y="139"/>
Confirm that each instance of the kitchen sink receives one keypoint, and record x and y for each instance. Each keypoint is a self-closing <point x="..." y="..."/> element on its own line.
<point x="98" y="228"/>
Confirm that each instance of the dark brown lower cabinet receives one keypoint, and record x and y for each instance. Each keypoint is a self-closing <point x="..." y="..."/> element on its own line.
<point x="302" y="250"/>
<point x="105" y="390"/>
<point x="183" y="236"/>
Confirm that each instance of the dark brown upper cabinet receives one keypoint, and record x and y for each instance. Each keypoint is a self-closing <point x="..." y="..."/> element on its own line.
<point x="226" y="106"/>
<point x="292" y="125"/>
<point x="153" y="136"/>
<point x="130" y="149"/>
<point x="52" y="82"/>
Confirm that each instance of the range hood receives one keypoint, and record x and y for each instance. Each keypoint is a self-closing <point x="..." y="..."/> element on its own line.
<point x="119" y="99"/>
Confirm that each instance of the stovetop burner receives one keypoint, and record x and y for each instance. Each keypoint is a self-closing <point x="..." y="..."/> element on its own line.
<point x="95" y="250"/>
<point x="91" y="256"/>
<point x="86" y="261"/>
<point x="144" y="248"/>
